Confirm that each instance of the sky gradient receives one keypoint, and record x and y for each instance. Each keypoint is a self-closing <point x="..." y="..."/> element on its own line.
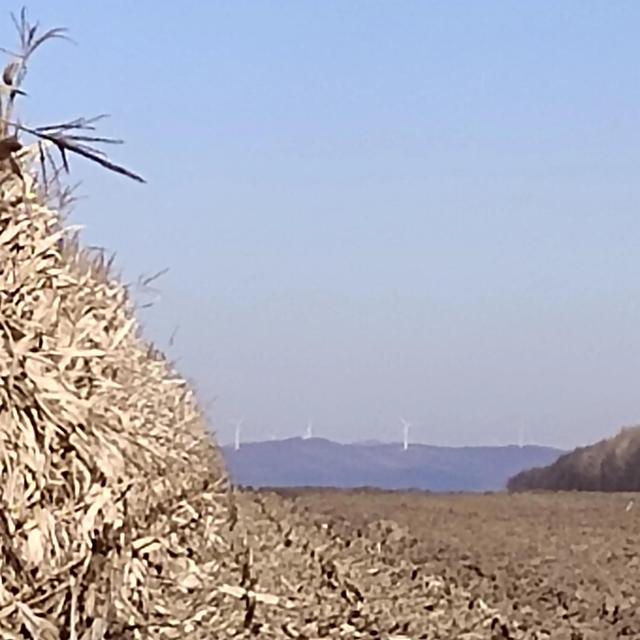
<point x="372" y="209"/>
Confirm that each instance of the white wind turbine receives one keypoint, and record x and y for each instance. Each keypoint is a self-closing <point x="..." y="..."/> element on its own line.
<point x="406" y="425"/>
<point x="237" y="430"/>
<point x="521" y="436"/>
<point x="309" y="432"/>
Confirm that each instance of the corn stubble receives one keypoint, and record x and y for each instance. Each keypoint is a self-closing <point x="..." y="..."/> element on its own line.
<point x="117" y="519"/>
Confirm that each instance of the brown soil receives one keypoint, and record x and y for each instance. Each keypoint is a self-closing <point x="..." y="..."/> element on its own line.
<point x="552" y="565"/>
<point x="299" y="573"/>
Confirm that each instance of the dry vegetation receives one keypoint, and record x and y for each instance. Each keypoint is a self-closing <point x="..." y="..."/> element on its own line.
<point x="116" y="516"/>
<point x="609" y="465"/>
<point x="112" y="495"/>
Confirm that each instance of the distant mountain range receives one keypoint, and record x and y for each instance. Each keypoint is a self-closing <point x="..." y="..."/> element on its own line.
<point x="608" y="465"/>
<point x="316" y="462"/>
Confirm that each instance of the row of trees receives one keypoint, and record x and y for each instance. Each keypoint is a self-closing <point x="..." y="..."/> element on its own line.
<point x="609" y="465"/>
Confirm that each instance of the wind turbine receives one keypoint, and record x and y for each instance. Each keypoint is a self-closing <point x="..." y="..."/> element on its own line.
<point x="406" y="425"/>
<point x="521" y="436"/>
<point x="238" y="427"/>
<point x="309" y="432"/>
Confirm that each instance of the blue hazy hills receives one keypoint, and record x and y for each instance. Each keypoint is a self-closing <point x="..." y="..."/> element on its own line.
<point x="317" y="462"/>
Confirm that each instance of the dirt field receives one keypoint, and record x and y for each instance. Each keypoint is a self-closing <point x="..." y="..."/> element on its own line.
<point x="553" y="565"/>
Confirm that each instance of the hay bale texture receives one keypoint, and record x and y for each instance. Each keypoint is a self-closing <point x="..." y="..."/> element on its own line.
<point x="111" y="492"/>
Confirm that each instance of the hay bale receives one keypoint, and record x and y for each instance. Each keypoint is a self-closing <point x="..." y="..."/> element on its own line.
<point x="111" y="493"/>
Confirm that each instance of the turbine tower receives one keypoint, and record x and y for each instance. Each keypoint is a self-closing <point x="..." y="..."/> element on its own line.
<point x="238" y="427"/>
<point x="406" y="425"/>
<point x="309" y="432"/>
<point x="521" y="436"/>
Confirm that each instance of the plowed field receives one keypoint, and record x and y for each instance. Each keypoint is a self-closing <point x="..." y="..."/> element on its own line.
<point x="550" y="565"/>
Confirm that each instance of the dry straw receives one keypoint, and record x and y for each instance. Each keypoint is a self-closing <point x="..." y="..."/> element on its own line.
<point x="111" y="494"/>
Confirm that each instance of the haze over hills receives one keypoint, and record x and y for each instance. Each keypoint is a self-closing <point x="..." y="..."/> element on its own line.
<point x="608" y="465"/>
<point x="317" y="462"/>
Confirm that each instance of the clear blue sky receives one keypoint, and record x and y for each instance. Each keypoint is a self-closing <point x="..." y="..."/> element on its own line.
<point x="373" y="209"/>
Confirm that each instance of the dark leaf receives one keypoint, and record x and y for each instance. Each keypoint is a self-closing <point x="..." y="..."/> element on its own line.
<point x="8" y="146"/>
